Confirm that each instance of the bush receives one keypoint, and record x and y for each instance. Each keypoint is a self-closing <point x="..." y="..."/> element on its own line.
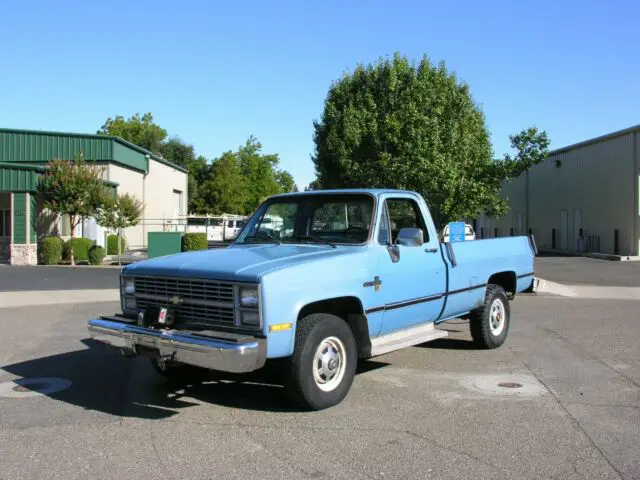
<point x="81" y="248"/>
<point x="52" y="250"/>
<point x="96" y="255"/>
<point x="112" y="244"/>
<point x="194" y="241"/>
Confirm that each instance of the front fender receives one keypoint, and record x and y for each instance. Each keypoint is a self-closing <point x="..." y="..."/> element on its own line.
<point x="287" y="291"/>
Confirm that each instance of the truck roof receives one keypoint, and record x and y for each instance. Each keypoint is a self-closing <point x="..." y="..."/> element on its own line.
<point x="371" y="191"/>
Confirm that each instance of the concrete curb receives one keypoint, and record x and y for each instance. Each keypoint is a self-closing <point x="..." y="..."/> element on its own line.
<point x="543" y="286"/>
<point x="32" y="298"/>
<point x="598" y="256"/>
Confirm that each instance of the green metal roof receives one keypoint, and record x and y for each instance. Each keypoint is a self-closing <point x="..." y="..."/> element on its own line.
<point x="37" y="146"/>
<point x="18" y="177"/>
<point x="15" y="177"/>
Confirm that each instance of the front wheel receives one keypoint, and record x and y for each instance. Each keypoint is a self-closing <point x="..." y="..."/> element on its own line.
<point x="489" y="323"/>
<point x="323" y="363"/>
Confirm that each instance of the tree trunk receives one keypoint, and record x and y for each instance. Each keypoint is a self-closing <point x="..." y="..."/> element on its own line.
<point x="73" y="225"/>
<point x="119" y="246"/>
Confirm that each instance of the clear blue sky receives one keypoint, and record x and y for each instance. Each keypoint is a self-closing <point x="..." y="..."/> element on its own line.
<point x="215" y="72"/>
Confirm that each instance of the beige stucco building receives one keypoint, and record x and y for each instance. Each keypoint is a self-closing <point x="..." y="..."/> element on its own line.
<point x="581" y="198"/>
<point x="160" y="185"/>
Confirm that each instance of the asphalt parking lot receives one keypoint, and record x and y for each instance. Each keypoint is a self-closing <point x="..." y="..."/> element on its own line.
<point x="81" y="277"/>
<point x="432" y="411"/>
<point x="588" y="271"/>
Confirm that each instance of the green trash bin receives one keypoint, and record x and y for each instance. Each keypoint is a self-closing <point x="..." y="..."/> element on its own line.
<point x="163" y="243"/>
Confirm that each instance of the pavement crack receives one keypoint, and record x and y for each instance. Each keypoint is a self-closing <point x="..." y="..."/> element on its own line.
<point x="573" y="419"/>
<point x="460" y="452"/>
<point x="605" y="405"/>
<point x="589" y="354"/>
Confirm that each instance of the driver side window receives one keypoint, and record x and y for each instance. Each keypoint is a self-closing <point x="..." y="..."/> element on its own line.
<point x="404" y="213"/>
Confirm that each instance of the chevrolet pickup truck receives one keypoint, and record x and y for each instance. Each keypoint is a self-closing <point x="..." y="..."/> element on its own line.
<point x="347" y="275"/>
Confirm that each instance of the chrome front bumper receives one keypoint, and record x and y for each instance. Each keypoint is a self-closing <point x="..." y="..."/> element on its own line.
<point x="213" y="350"/>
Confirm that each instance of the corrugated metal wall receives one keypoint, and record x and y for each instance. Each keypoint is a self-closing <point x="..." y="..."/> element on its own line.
<point x="595" y="180"/>
<point x="590" y="187"/>
<point x="42" y="147"/>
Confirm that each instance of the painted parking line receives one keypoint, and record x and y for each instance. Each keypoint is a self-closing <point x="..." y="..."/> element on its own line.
<point x="55" y="297"/>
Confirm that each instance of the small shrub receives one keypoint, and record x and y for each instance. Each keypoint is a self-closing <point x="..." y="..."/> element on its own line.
<point x="194" y="241"/>
<point x="112" y="245"/>
<point x="81" y="248"/>
<point x="96" y="255"/>
<point x="52" y="250"/>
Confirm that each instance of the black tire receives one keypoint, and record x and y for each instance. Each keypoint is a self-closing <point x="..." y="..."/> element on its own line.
<point x="480" y="320"/>
<point x="312" y="332"/>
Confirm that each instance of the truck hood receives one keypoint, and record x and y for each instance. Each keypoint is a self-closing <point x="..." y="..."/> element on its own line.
<point x="246" y="263"/>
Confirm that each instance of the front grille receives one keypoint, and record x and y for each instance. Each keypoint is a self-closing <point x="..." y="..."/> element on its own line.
<point x="203" y="303"/>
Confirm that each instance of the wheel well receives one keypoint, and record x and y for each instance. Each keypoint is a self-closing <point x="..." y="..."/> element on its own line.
<point x="351" y="311"/>
<point x="506" y="280"/>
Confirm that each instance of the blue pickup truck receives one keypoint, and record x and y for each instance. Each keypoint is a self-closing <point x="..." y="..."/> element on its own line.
<point x="338" y="276"/>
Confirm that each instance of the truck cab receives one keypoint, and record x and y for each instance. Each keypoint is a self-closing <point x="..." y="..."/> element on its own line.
<point x="339" y="276"/>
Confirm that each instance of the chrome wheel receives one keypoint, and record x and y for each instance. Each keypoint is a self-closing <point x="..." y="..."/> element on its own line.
<point x="497" y="317"/>
<point x="329" y="364"/>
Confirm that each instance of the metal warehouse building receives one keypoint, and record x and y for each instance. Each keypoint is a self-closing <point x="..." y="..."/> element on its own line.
<point x="581" y="198"/>
<point x="159" y="184"/>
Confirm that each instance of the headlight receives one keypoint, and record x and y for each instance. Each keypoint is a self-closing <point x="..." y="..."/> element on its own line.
<point x="129" y="303"/>
<point x="249" y="297"/>
<point x="249" y="318"/>
<point x="128" y="286"/>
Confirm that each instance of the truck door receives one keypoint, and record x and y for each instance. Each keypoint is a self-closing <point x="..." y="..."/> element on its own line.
<point x="412" y="279"/>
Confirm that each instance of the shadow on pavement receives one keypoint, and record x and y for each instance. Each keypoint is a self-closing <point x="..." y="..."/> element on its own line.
<point x="449" y="344"/>
<point x="103" y="380"/>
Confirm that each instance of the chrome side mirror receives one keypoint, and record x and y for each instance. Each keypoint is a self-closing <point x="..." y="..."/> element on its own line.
<point x="410" y="237"/>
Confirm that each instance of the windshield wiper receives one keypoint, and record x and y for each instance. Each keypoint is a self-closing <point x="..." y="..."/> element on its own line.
<point x="259" y="238"/>
<point x="317" y="239"/>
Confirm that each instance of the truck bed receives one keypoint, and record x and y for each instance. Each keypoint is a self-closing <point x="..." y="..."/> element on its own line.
<point x="471" y="264"/>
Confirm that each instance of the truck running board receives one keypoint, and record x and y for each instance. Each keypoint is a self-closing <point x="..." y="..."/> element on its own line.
<point x="405" y="338"/>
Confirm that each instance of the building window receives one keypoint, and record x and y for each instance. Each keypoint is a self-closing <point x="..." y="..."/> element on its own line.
<point x="178" y="203"/>
<point x="5" y="223"/>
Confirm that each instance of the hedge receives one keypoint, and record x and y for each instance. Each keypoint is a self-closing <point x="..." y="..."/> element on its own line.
<point x="52" y="250"/>
<point x="81" y="248"/>
<point x="96" y="255"/>
<point x="194" y="241"/>
<point x="112" y="244"/>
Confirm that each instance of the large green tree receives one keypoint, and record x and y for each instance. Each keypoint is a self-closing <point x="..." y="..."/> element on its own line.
<point x="224" y="189"/>
<point x="139" y="130"/>
<point x="394" y="124"/>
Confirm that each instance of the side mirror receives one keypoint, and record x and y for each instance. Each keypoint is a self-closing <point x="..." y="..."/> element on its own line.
<point x="410" y="237"/>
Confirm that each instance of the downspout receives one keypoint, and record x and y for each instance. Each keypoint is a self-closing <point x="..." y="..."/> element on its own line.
<point x="636" y="195"/>
<point x="527" y="224"/>
<point x="144" y="201"/>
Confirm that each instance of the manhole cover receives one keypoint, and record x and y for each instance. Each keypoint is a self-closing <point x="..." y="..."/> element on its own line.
<point x="510" y="385"/>
<point x="33" y="387"/>
<point x="507" y="385"/>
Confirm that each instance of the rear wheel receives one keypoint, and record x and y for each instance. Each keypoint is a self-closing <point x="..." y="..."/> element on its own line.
<point x="490" y="323"/>
<point x="323" y="363"/>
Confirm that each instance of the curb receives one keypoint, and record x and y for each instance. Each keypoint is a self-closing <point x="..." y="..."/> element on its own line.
<point x="543" y="286"/>
<point x="598" y="256"/>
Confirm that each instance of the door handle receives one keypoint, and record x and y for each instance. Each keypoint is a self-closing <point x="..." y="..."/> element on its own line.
<point x="431" y="250"/>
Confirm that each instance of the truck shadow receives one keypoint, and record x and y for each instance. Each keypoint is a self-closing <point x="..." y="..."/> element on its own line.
<point x="449" y="344"/>
<point x="104" y="381"/>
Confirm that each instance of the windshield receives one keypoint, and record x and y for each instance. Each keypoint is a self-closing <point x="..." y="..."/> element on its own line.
<point x="330" y="218"/>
